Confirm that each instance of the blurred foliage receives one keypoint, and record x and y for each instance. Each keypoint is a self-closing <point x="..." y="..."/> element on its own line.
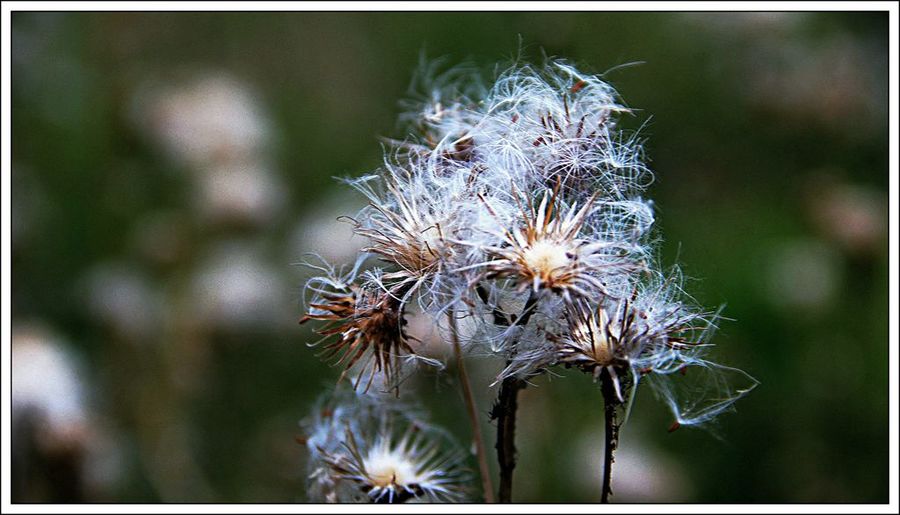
<point x="759" y="126"/>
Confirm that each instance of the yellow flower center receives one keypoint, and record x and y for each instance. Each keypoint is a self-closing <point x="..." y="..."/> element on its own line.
<point x="544" y="258"/>
<point x="594" y="341"/>
<point x="602" y="351"/>
<point x="385" y="469"/>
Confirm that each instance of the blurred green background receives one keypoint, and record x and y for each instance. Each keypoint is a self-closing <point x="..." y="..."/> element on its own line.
<point x="170" y="169"/>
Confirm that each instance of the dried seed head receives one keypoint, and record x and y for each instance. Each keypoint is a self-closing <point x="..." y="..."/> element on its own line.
<point x="396" y="469"/>
<point x="602" y="339"/>
<point x="549" y="250"/>
<point x="592" y="342"/>
<point x="409" y="235"/>
<point x="654" y="337"/>
<point x="369" y="328"/>
<point x="379" y="451"/>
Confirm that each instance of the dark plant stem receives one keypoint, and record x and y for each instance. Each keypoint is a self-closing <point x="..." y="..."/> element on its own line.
<point x="500" y="318"/>
<point x="611" y="432"/>
<point x="505" y="411"/>
<point x="507" y="404"/>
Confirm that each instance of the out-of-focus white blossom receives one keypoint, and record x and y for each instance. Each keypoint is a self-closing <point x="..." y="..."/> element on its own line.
<point x="214" y="126"/>
<point x="47" y="383"/>
<point x="326" y="229"/>
<point x="234" y="290"/>
<point x="120" y="297"/>
<point x="52" y="410"/>
<point x="209" y="120"/>
<point x="239" y="193"/>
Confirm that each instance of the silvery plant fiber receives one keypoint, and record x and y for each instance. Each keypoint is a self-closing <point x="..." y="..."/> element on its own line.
<point x="515" y="216"/>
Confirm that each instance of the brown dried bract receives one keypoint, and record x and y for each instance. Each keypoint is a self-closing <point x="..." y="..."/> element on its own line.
<point x="369" y="327"/>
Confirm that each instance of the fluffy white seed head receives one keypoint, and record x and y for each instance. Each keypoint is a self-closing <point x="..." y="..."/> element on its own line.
<point x="520" y="205"/>
<point x="368" y="450"/>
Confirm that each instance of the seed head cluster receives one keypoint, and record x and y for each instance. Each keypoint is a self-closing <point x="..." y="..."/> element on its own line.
<point x="521" y="206"/>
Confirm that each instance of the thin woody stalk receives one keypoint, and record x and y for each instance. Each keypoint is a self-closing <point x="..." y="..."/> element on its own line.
<point x="507" y="404"/>
<point x="472" y="411"/>
<point x="505" y="412"/>
<point x="611" y="432"/>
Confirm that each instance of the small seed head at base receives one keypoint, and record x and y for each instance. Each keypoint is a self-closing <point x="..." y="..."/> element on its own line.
<point x="388" y="468"/>
<point x="383" y="452"/>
